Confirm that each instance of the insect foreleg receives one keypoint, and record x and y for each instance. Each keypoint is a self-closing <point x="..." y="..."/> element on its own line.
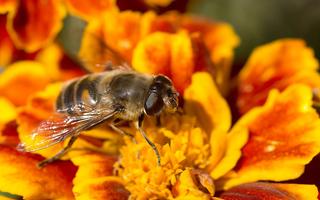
<point x="153" y="146"/>
<point x="59" y="154"/>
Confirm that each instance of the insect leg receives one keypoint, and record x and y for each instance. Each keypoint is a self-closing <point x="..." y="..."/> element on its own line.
<point x="118" y="130"/>
<point x="153" y="146"/>
<point x="59" y="154"/>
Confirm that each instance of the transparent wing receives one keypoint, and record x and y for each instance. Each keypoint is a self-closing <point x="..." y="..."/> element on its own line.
<point x="59" y="127"/>
<point x="97" y="56"/>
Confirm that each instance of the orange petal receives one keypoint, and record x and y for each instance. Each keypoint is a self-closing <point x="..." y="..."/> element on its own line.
<point x="272" y="191"/>
<point x="6" y="44"/>
<point x="52" y="182"/>
<point x="102" y="31"/>
<point x="176" y="55"/>
<point x="182" y="60"/>
<point x="153" y="53"/>
<point x="94" y="178"/>
<point x="58" y="65"/>
<point x="90" y="9"/>
<point x="283" y="138"/>
<point x="22" y="79"/>
<point x="276" y="65"/>
<point x="221" y="40"/>
<point x="33" y="24"/>
<point x="7" y="5"/>
<point x="212" y="112"/>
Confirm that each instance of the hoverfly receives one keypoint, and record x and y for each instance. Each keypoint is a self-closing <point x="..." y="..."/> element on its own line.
<point x="109" y="96"/>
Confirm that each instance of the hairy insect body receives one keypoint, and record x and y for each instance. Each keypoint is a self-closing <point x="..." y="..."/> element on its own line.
<point x="118" y="90"/>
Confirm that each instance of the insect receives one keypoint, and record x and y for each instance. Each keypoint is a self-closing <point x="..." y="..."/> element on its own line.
<point x="115" y="95"/>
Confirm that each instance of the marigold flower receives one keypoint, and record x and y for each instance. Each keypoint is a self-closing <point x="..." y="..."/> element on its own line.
<point x="202" y="156"/>
<point x="276" y="65"/>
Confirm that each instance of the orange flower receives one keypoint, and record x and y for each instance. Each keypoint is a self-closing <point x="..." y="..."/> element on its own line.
<point x="276" y="65"/>
<point x="199" y="153"/>
<point x="33" y="24"/>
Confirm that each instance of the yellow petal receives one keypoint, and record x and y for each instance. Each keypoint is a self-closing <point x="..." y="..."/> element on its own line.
<point x="203" y="99"/>
<point x="22" y="79"/>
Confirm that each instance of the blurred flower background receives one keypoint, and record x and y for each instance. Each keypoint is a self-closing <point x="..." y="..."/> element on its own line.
<point x="248" y="77"/>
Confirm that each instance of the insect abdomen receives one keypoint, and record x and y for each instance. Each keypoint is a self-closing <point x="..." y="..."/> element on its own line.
<point x="79" y="95"/>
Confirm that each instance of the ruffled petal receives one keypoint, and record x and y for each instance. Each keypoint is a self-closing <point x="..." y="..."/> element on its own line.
<point x="212" y="112"/>
<point x="276" y="65"/>
<point x="19" y="175"/>
<point x="59" y="66"/>
<point x="6" y="44"/>
<point x="94" y="178"/>
<point x="271" y="191"/>
<point x="22" y="79"/>
<point x="33" y="24"/>
<point x="101" y="34"/>
<point x="283" y="138"/>
<point x="90" y="9"/>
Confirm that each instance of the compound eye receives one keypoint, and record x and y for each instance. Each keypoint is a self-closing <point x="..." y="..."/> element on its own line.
<point x="153" y="104"/>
